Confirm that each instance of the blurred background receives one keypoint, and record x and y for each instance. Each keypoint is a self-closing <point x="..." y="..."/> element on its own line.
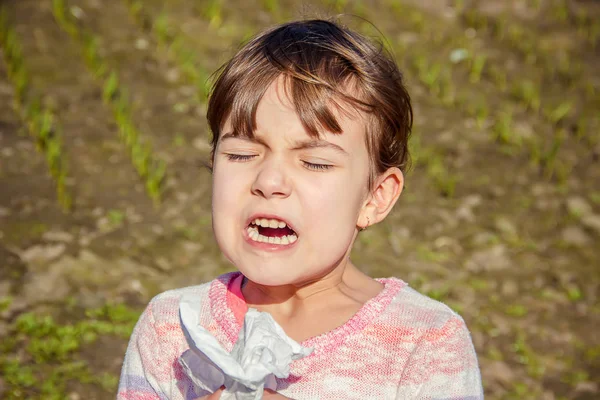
<point x="104" y="200"/>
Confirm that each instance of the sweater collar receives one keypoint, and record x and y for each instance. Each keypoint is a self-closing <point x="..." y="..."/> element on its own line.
<point x="228" y="308"/>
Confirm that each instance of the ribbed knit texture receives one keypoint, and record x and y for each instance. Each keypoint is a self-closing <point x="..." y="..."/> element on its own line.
<point x="399" y="345"/>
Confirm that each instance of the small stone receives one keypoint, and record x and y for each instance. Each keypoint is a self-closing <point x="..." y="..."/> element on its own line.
<point x="3" y="331"/>
<point x="473" y="200"/>
<point x="157" y="229"/>
<point x="505" y="226"/>
<point x="6" y="89"/>
<point x="85" y="241"/>
<point x="465" y="214"/>
<point x="490" y="259"/>
<point x="465" y="209"/>
<point x="90" y="258"/>
<point x="77" y="12"/>
<point x="592" y="222"/>
<point x="201" y="144"/>
<point x="188" y="91"/>
<point x="458" y="55"/>
<point x="181" y="108"/>
<point x="498" y="191"/>
<point x="163" y="264"/>
<point x="447" y="243"/>
<point x="173" y="75"/>
<point x="540" y="189"/>
<point x="136" y="285"/>
<point x="46" y="286"/>
<point x="103" y="224"/>
<point x="484" y="239"/>
<point x="470" y="33"/>
<point x="141" y="44"/>
<point x="510" y="288"/>
<point x="575" y="236"/>
<point x="499" y="371"/>
<point x="58" y="236"/>
<point x="523" y="130"/>
<point x="41" y="254"/>
<point x="192" y="247"/>
<point x="578" y="206"/>
<point x="4" y="212"/>
<point x="74" y="396"/>
<point x="587" y="386"/>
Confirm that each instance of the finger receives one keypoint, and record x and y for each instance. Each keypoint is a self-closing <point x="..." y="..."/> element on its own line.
<point x="272" y="395"/>
<point x="214" y="396"/>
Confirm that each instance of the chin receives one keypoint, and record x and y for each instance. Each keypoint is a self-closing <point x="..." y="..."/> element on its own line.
<point x="268" y="278"/>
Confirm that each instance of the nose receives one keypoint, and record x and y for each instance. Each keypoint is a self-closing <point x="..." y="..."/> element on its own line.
<point x="271" y="181"/>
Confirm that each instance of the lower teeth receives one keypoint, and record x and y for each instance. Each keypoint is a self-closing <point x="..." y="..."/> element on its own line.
<point x="257" y="237"/>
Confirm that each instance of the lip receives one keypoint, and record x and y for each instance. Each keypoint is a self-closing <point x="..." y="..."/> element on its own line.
<point x="272" y="247"/>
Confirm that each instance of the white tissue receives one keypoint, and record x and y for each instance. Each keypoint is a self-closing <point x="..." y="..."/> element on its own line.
<point x="262" y="352"/>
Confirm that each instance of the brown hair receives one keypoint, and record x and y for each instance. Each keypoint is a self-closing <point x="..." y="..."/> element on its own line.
<point x="324" y="64"/>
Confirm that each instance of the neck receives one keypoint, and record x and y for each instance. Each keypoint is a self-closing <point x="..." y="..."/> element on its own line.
<point x="261" y="294"/>
<point x="290" y="299"/>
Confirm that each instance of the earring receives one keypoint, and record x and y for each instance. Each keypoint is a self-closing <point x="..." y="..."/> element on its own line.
<point x="366" y="226"/>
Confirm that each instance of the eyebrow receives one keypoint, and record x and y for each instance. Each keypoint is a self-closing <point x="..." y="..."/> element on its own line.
<point x="312" y="144"/>
<point x="299" y="145"/>
<point x="233" y="135"/>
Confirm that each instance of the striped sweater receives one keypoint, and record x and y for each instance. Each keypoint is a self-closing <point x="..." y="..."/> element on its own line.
<point x="399" y="345"/>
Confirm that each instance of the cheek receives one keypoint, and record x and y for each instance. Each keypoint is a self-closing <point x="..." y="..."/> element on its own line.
<point x="225" y="184"/>
<point x="225" y="195"/>
<point x="334" y="205"/>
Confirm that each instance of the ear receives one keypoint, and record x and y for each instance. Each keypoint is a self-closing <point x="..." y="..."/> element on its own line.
<point x="386" y="190"/>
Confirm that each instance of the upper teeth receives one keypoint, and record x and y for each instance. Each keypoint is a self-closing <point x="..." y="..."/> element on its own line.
<point x="269" y="223"/>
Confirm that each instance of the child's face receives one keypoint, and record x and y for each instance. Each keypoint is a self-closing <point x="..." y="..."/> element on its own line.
<point x="272" y="176"/>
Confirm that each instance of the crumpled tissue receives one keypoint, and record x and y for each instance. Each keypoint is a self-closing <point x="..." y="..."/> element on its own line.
<point x="262" y="352"/>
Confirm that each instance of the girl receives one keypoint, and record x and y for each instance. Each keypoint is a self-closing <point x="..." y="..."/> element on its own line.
<point x="310" y="126"/>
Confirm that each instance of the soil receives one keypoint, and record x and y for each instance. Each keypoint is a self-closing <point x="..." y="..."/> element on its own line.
<point x="491" y="221"/>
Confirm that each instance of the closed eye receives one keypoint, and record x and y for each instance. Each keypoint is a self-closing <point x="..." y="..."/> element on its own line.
<point x="247" y="157"/>
<point x="239" y="157"/>
<point x="317" y="167"/>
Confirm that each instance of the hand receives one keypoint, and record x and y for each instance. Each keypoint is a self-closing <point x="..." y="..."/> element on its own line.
<point x="215" y="396"/>
<point x="268" y="395"/>
<point x="271" y="395"/>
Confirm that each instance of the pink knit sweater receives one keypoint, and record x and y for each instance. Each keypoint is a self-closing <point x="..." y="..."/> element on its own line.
<point x="400" y="345"/>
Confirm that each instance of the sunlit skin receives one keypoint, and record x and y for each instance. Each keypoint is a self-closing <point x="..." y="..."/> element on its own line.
<point x="320" y="188"/>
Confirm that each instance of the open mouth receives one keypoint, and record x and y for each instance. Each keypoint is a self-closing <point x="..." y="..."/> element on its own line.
<point x="269" y="230"/>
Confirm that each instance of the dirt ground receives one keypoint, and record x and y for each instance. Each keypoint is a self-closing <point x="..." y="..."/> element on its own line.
<point x="500" y="218"/>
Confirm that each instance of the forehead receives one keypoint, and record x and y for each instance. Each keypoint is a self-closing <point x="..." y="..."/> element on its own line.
<point x="277" y="118"/>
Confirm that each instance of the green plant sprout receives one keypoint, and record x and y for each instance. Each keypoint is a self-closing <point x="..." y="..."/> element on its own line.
<point x="477" y="65"/>
<point x="528" y="93"/>
<point x="548" y="159"/>
<point x="435" y="77"/>
<point x="40" y="122"/>
<point x="337" y="5"/>
<point x="113" y="95"/>
<point x="39" y="349"/>
<point x="61" y="14"/>
<point x="92" y="56"/>
<point x="560" y="11"/>
<point x="559" y="113"/>
<point x="527" y="357"/>
<point x="213" y="12"/>
<point x="503" y="128"/>
<point x="172" y="41"/>
<point x="111" y="85"/>
<point x="272" y="7"/>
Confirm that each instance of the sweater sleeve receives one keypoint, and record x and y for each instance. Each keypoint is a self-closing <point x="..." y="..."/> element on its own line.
<point x="443" y="365"/>
<point x="141" y="373"/>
